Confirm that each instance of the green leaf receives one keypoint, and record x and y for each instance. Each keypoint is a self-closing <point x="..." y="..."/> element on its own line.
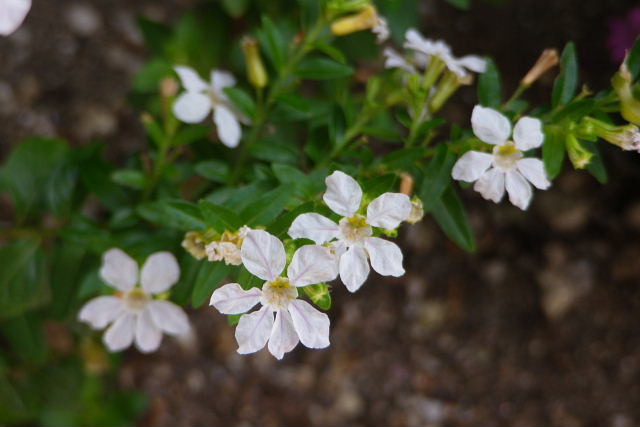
<point x="65" y="271"/>
<point x="272" y="43"/>
<point x="450" y="214"/>
<point x="437" y="176"/>
<point x="267" y="208"/>
<point x="147" y="80"/>
<point x="322" y="69"/>
<point x="235" y="8"/>
<point x="319" y="294"/>
<point x="25" y="337"/>
<point x="330" y="51"/>
<point x="155" y="35"/>
<point x="280" y="226"/>
<point x="460" y="4"/>
<point x="176" y="214"/>
<point x="633" y="59"/>
<point x="596" y="166"/>
<point x="489" y="88"/>
<point x="574" y="111"/>
<point x="404" y="158"/>
<point x="191" y="133"/>
<point x="553" y="152"/>
<point x="242" y="100"/>
<point x="214" y="170"/>
<point x="131" y="178"/>
<point x="209" y="277"/>
<point x="567" y="81"/>
<point x="219" y="217"/>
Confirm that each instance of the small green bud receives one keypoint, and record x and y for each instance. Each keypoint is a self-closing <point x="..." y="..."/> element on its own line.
<point x="580" y="157"/>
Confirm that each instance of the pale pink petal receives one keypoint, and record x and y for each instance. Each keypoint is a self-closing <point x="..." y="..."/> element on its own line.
<point x="120" y="335"/>
<point x="311" y="325"/>
<point x="471" y="166"/>
<point x="220" y="80"/>
<point x="343" y="194"/>
<point x="314" y="227"/>
<point x="385" y="256"/>
<point x="229" y="130"/>
<point x="527" y="134"/>
<point x="263" y="254"/>
<point x="169" y="317"/>
<point x="491" y="185"/>
<point x="148" y="335"/>
<point x="354" y="268"/>
<point x="519" y="190"/>
<point x="388" y="210"/>
<point x="253" y="330"/>
<point x="12" y="13"/>
<point x="190" y="79"/>
<point x="312" y="264"/>
<point x="232" y="299"/>
<point x="159" y="272"/>
<point x="119" y="270"/>
<point x="101" y="311"/>
<point x="283" y="337"/>
<point x="489" y="125"/>
<point x="533" y="170"/>
<point x="192" y="107"/>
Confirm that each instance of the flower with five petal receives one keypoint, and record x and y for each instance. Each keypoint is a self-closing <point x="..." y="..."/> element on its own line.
<point x="354" y="231"/>
<point x="295" y="320"/>
<point x="133" y="313"/>
<point x="506" y="168"/>
<point x="12" y="13"/>
<point x="201" y="97"/>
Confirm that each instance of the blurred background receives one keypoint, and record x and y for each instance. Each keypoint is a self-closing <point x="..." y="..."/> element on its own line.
<point x="539" y="326"/>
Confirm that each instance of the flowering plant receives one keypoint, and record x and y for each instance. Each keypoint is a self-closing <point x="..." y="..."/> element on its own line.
<point x="290" y="152"/>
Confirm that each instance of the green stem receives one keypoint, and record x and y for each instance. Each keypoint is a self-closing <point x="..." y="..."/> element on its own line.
<point x="516" y="95"/>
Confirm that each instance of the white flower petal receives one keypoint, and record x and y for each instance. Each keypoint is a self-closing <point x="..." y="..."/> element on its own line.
<point x="527" y="133"/>
<point x="473" y="63"/>
<point x="491" y="185"/>
<point x="311" y="325"/>
<point x="190" y="79"/>
<point x="385" y="256"/>
<point x="12" y="13"/>
<point x="388" y="210"/>
<point x="229" y="130"/>
<point x="533" y="170"/>
<point x="232" y="299"/>
<point x="101" y="311"/>
<point x="148" y="335"/>
<point x="354" y="268"/>
<point x="312" y="264"/>
<point x="415" y="41"/>
<point x="519" y="190"/>
<point x="159" y="272"/>
<point x="283" y="337"/>
<point x="314" y="227"/>
<point x="120" y="335"/>
<point x="220" y="80"/>
<point x="343" y="194"/>
<point x="119" y="270"/>
<point x="253" y="330"/>
<point x="192" y="107"/>
<point x="471" y="166"/>
<point x="394" y="60"/>
<point x="489" y="125"/>
<point x="263" y="254"/>
<point x="169" y="317"/>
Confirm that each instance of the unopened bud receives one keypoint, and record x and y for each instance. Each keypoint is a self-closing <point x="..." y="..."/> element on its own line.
<point x="417" y="211"/>
<point x="169" y="87"/>
<point x="406" y="185"/>
<point x="447" y="86"/>
<point x="547" y="60"/>
<point x="256" y="73"/>
<point x="629" y="104"/>
<point x="195" y="245"/>
<point x="626" y="137"/>
<point x="580" y="157"/>
<point x="366" y="19"/>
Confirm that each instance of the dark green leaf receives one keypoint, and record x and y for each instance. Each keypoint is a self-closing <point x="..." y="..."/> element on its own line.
<point x="319" y="294"/>
<point x="322" y="69"/>
<point x="25" y="336"/>
<point x="574" y="111"/>
<point x="280" y="226"/>
<point x="267" y="207"/>
<point x="242" y="100"/>
<point x="489" y="88"/>
<point x="437" y="176"/>
<point x="235" y="8"/>
<point x="67" y="262"/>
<point x="214" y="170"/>
<point x="191" y="133"/>
<point x="450" y="214"/>
<point x="596" y="166"/>
<point x="219" y="217"/>
<point x="131" y="178"/>
<point x="155" y="35"/>
<point x="176" y="214"/>
<point x="272" y="43"/>
<point x="209" y="277"/>
<point x="633" y="59"/>
<point x="460" y="4"/>
<point x="567" y="81"/>
<point x="553" y="152"/>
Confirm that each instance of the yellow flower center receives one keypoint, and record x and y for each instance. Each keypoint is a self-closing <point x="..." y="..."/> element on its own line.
<point x="136" y="299"/>
<point x="354" y="230"/>
<point x="278" y="293"/>
<point x="506" y="156"/>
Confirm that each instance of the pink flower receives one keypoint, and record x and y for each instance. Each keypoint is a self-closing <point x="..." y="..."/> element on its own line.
<point x="622" y="34"/>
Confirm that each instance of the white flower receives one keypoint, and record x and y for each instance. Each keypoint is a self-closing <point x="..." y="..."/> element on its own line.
<point x="381" y="30"/>
<point x="394" y="60"/>
<point x="201" y="97"/>
<point x="12" y="13"/>
<point x="428" y="48"/>
<point x="295" y="320"/>
<point x="133" y="313"/>
<point x="506" y="167"/>
<point x="353" y="233"/>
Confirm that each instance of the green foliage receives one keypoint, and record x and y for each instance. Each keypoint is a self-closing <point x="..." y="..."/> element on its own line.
<point x="489" y="87"/>
<point x="566" y="84"/>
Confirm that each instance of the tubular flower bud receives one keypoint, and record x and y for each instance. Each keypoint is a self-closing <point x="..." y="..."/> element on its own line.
<point x="366" y="19"/>
<point x="169" y="87"/>
<point x="448" y="85"/>
<point x="406" y="185"/>
<point x="626" y="137"/>
<point x="256" y="73"/>
<point x="580" y="157"/>
<point x="547" y="60"/>
<point x="629" y="105"/>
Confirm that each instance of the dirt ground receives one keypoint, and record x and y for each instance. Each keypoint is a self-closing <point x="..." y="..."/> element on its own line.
<point x="539" y="326"/>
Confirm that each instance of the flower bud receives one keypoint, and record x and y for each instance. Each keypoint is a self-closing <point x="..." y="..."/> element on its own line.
<point x="169" y="87"/>
<point x="547" y="60"/>
<point x="629" y="105"/>
<point x="256" y="73"/>
<point x="406" y="185"/>
<point x="626" y="137"/>
<point x="417" y="211"/>
<point x="195" y="245"/>
<point x="580" y="157"/>
<point x="366" y="19"/>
